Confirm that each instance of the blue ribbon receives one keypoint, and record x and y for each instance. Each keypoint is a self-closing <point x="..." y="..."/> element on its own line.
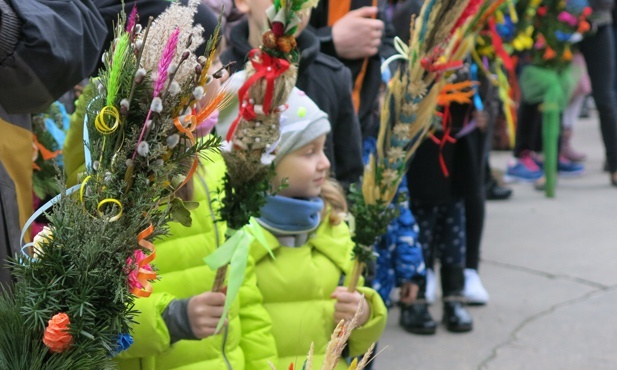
<point x="86" y="137"/>
<point x="477" y="101"/>
<point x="39" y="212"/>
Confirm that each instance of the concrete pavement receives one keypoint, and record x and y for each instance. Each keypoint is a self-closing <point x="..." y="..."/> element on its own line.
<point x="550" y="266"/>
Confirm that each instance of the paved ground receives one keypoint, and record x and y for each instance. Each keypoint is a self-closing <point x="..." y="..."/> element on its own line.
<point x="550" y="266"/>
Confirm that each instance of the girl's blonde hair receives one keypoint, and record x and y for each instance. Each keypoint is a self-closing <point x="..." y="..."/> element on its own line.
<point x="333" y="196"/>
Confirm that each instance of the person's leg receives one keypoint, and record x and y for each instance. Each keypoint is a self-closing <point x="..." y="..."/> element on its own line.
<point x="528" y="129"/>
<point x="570" y="116"/>
<point x="415" y="318"/>
<point x="528" y="139"/>
<point x="599" y="52"/>
<point x="456" y="317"/>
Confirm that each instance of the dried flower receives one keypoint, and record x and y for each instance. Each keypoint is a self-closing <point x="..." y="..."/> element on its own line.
<point x="388" y="177"/>
<point x="396" y="153"/>
<point x="172" y="141"/>
<point x="143" y="149"/>
<point x="174" y="88"/>
<point x="163" y="27"/>
<point x="57" y="336"/>
<point x="157" y="105"/>
<point x="43" y="237"/>
<point x="198" y="92"/>
<point x="140" y="74"/>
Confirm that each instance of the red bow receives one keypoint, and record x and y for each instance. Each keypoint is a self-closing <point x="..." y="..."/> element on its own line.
<point x="267" y="67"/>
<point x="447" y="138"/>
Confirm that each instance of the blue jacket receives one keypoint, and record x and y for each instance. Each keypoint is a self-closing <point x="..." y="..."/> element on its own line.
<point x="399" y="253"/>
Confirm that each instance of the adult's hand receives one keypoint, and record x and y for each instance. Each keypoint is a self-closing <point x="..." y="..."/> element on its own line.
<point x="205" y="311"/>
<point x="357" y="35"/>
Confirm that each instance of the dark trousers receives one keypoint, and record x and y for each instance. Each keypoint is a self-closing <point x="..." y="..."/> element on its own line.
<point x="442" y="232"/>
<point x="528" y="129"/>
<point x="599" y="52"/>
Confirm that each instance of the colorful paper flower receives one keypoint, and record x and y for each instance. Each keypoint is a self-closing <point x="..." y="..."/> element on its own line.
<point x="57" y="336"/>
<point x="133" y="262"/>
<point x="124" y="342"/>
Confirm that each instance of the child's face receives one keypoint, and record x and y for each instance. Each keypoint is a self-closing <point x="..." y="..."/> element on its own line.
<point x="305" y="170"/>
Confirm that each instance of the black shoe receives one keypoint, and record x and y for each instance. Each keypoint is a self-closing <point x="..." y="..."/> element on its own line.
<point x="416" y="319"/>
<point x="494" y="191"/>
<point x="456" y="318"/>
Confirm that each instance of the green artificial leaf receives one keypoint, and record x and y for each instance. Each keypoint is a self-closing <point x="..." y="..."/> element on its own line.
<point x="190" y="205"/>
<point x="180" y="213"/>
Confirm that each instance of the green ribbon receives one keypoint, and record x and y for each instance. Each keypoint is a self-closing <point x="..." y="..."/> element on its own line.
<point x="553" y="89"/>
<point x="235" y="252"/>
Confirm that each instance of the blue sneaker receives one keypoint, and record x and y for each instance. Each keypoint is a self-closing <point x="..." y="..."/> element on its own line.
<point x="567" y="168"/>
<point x="524" y="169"/>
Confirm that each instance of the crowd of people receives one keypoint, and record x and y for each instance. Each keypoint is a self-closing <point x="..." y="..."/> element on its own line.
<point x="293" y="292"/>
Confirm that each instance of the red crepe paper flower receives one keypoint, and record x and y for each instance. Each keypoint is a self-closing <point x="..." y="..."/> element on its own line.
<point x="278" y="29"/>
<point x="541" y="11"/>
<point x="57" y="336"/>
<point x="138" y="255"/>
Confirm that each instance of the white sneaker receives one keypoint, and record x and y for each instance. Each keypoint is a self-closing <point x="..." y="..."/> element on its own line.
<point x="475" y="293"/>
<point x="430" y="286"/>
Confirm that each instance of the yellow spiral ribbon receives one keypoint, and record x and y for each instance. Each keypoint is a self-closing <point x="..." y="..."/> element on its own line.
<point x="100" y="122"/>
<point x="100" y="205"/>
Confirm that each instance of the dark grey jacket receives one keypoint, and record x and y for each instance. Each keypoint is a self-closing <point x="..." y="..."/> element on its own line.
<point x="46" y="47"/>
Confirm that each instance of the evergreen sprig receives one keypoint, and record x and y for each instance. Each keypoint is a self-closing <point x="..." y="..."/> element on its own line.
<point x="246" y="185"/>
<point x="371" y="221"/>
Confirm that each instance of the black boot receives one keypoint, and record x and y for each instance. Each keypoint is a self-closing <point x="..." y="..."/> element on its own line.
<point x="415" y="318"/>
<point x="456" y="317"/>
<point x="494" y="191"/>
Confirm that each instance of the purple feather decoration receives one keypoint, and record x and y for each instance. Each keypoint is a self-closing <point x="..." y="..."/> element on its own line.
<point x="130" y="24"/>
<point x="168" y="55"/>
<point x="165" y="62"/>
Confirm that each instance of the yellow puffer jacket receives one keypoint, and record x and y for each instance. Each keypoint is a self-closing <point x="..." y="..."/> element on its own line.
<point x="296" y="288"/>
<point x="246" y="343"/>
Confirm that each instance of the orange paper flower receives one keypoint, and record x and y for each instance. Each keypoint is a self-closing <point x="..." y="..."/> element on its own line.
<point x="549" y="53"/>
<point x="57" y="336"/>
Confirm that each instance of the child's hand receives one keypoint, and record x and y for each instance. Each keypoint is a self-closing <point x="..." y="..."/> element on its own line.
<point x="481" y="118"/>
<point x="347" y="303"/>
<point x="205" y="311"/>
<point x="409" y="292"/>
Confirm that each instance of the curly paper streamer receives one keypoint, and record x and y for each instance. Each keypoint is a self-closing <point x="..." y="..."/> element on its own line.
<point x="144" y="276"/>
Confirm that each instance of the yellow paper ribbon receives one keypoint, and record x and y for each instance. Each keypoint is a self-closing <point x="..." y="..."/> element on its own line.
<point x="100" y="122"/>
<point x="82" y="190"/>
<point x="402" y="53"/>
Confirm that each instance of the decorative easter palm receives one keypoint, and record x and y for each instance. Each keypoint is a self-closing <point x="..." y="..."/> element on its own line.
<point x="252" y="138"/>
<point x="441" y="36"/>
<point x="73" y="304"/>
<point x="552" y="27"/>
<point x="492" y="55"/>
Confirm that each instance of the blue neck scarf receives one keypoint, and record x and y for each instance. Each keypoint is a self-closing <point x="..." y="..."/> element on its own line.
<point x="289" y="216"/>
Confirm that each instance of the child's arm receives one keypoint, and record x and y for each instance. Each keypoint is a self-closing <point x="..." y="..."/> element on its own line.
<point x="257" y="341"/>
<point x="151" y="335"/>
<point x="408" y="258"/>
<point x="369" y="333"/>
